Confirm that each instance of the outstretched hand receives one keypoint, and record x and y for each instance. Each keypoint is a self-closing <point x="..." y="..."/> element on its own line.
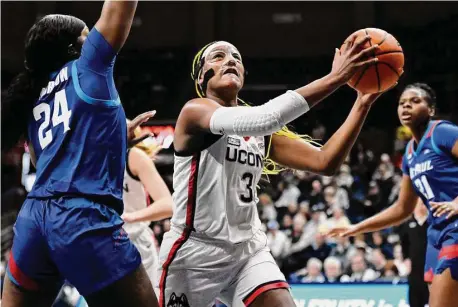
<point x="137" y="121"/>
<point x="347" y="231"/>
<point x="352" y="57"/>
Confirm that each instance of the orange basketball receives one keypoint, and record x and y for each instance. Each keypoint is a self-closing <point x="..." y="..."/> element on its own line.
<point x="385" y="73"/>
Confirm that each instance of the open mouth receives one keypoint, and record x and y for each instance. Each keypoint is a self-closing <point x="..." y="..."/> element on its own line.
<point x="406" y="115"/>
<point x="231" y="71"/>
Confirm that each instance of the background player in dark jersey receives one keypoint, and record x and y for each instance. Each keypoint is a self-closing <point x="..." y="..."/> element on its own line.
<point x="430" y="167"/>
<point x="70" y="226"/>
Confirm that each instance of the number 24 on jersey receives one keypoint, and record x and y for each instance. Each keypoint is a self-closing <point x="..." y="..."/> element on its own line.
<point x="60" y="115"/>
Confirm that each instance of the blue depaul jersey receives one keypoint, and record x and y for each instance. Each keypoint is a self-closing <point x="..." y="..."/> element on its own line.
<point x="434" y="171"/>
<point x="78" y="129"/>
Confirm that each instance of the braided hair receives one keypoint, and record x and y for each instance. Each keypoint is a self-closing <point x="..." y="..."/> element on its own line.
<point x="430" y="93"/>
<point x="49" y="44"/>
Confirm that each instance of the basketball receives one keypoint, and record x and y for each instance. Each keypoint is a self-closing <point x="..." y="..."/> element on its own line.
<point x="385" y="73"/>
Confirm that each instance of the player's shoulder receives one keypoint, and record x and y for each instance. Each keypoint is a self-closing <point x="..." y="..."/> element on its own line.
<point x="198" y="103"/>
<point x="441" y="129"/>
<point x="441" y="126"/>
<point x="197" y="111"/>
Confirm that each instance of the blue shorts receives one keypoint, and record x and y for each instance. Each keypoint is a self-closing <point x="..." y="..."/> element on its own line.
<point x="69" y="238"/>
<point x="448" y="253"/>
<point x="430" y="262"/>
<point x="443" y="256"/>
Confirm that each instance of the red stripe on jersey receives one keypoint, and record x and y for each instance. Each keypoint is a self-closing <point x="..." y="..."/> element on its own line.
<point x="19" y="276"/>
<point x="190" y="210"/>
<point x="449" y="252"/>
<point x="430" y="132"/>
<point x="264" y="288"/>
<point x="429" y="275"/>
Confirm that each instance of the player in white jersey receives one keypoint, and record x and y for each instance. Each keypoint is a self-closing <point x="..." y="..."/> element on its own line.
<point x="141" y="180"/>
<point x="216" y="248"/>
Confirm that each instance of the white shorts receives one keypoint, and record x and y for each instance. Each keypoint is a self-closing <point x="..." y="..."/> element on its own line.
<point x="146" y="246"/>
<point x="194" y="271"/>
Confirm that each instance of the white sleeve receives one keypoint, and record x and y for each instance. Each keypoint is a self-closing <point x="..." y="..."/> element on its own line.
<point x="260" y="120"/>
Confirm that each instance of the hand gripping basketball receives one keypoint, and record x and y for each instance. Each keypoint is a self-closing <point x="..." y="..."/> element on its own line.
<point x="352" y="57"/>
<point x="380" y="75"/>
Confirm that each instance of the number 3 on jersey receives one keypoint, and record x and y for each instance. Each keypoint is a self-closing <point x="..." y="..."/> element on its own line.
<point x="61" y="115"/>
<point x="248" y="196"/>
<point x="424" y="187"/>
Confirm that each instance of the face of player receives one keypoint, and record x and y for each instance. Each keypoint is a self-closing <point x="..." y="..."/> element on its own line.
<point x="413" y="109"/>
<point x="226" y="62"/>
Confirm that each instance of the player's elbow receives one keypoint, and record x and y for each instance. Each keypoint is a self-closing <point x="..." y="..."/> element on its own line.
<point x="329" y="171"/>
<point x="327" y="167"/>
<point x="401" y="213"/>
<point x="318" y="164"/>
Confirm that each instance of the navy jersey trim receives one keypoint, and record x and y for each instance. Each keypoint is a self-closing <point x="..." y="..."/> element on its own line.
<point x="208" y="140"/>
<point x="86" y="98"/>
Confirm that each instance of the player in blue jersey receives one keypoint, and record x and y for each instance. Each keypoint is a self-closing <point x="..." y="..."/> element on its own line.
<point x="430" y="167"/>
<point x="70" y="226"/>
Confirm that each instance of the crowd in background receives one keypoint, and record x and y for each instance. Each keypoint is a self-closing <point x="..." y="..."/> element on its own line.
<point x="296" y="209"/>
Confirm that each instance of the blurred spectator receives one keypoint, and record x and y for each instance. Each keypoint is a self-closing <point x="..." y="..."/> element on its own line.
<point x="399" y="261"/>
<point x="316" y="196"/>
<point x="383" y="176"/>
<point x="289" y="194"/>
<point x="319" y="248"/>
<point x="276" y="241"/>
<point x="338" y="219"/>
<point x="336" y="196"/>
<point x="359" y="271"/>
<point x="384" y="267"/>
<point x="343" y="250"/>
<point x="332" y="269"/>
<point x="379" y="242"/>
<point x="299" y="238"/>
<point x="314" y="267"/>
<point x="319" y="132"/>
<point x="344" y="177"/>
<point x="287" y="224"/>
<point x="267" y="210"/>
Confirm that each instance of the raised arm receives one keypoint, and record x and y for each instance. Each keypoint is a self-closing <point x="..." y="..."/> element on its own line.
<point x="115" y="21"/>
<point x="297" y="154"/>
<point x="207" y="115"/>
<point x="143" y="167"/>
<point x="393" y="215"/>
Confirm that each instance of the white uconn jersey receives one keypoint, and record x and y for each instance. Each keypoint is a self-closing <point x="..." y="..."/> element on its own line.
<point x="134" y="198"/>
<point x="215" y="190"/>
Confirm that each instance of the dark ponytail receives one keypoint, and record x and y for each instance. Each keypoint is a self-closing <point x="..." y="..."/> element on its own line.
<point x="49" y="44"/>
<point x="17" y="105"/>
